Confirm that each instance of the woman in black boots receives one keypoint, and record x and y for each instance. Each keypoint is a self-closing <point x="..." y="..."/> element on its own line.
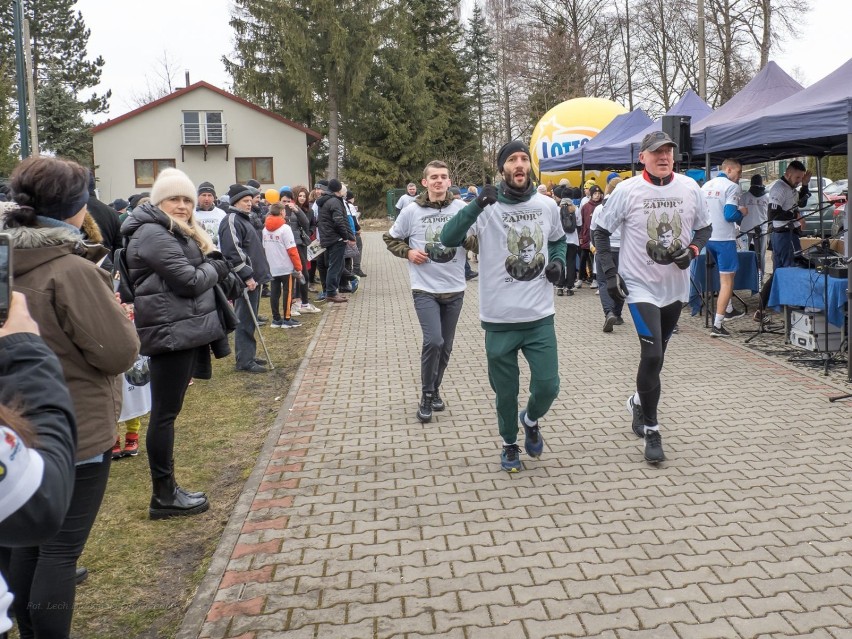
<point x="176" y="319"/>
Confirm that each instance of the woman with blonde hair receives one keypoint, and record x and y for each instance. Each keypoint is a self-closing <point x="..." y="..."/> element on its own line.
<point x="176" y="318"/>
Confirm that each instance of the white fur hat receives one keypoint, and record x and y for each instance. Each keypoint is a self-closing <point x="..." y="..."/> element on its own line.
<point x="171" y="182"/>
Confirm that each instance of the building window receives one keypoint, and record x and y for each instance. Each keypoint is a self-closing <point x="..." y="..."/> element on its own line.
<point x="259" y="169"/>
<point x="203" y="127"/>
<point x="147" y="171"/>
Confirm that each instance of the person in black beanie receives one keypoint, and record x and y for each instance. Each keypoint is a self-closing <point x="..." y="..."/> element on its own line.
<point x="521" y="258"/>
<point x="106" y="219"/>
<point x="243" y="248"/>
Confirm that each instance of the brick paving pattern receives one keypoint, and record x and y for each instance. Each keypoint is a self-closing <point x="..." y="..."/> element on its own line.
<point x="360" y="522"/>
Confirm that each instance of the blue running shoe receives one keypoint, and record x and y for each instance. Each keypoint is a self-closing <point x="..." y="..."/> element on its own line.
<point x="533" y="442"/>
<point x="354" y="284"/>
<point x="510" y="458"/>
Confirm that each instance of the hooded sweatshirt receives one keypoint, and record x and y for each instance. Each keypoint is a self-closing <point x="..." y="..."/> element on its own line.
<point x="280" y="247"/>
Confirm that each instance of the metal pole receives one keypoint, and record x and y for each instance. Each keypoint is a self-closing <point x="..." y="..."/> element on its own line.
<point x="848" y="251"/>
<point x="20" y="74"/>
<point x="702" y="53"/>
<point x="28" y="59"/>
<point x="819" y="206"/>
<point x="247" y="300"/>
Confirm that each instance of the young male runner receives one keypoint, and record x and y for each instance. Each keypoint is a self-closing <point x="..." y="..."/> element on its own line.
<point x="437" y="277"/>
<point x="521" y="258"/>
<point x="657" y="212"/>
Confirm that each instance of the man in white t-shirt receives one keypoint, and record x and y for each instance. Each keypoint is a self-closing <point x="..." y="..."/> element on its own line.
<point x="722" y="194"/>
<point x="664" y="225"/>
<point x="521" y="258"/>
<point x="756" y="202"/>
<point x="406" y="198"/>
<point x="207" y="213"/>
<point x="437" y="277"/>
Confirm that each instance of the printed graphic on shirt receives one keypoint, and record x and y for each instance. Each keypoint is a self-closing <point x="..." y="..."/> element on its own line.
<point x="525" y="244"/>
<point x="664" y="230"/>
<point x="139" y="375"/>
<point x="436" y="251"/>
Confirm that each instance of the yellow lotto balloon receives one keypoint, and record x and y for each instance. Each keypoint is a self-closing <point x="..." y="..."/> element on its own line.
<point x="566" y="127"/>
<point x="271" y="196"/>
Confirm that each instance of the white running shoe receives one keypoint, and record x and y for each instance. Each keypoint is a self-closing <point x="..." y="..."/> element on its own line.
<point x="309" y="308"/>
<point x="294" y="309"/>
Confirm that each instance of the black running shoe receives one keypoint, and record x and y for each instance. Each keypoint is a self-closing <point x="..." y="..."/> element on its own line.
<point x="510" y="458"/>
<point x="533" y="441"/>
<point x="734" y="314"/>
<point x="654" y="447"/>
<point x="609" y="322"/>
<point x="636" y="410"/>
<point x="437" y="403"/>
<point x="424" y="410"/>
<point x="618" y="320"/>
<point x="721" y="331"/>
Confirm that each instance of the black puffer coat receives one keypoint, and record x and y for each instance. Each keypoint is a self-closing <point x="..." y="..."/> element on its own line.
<point x="332" y="224"/>
<point x="175" y="305"/>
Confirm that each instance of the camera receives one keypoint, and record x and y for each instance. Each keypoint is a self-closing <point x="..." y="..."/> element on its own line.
<point x="5" y="276"/>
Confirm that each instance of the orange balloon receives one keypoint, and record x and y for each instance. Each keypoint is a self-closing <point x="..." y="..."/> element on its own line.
<point x="271" y="196"/>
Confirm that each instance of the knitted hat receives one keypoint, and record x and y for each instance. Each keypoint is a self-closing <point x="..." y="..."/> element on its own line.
<point x="171" y="182"/>
<point x="136" y="199"/>
<point x="119" y="204"/>
<point x="611" y="176"/>
<point x="334" y="185"/>
<point x="237" y="192"/>
<point x="508" y="149"/>
<point x="206" y="187"/>
<point x="757" y="179"/>
<point x="589" y="183"/>
<point x="253" y="184"/>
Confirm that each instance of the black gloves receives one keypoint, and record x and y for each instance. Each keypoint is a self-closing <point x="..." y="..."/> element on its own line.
<point x="683" y="257"/>
<point x="221" y="266"/>
<point x="616" y="288"/>
<point x="487" y="196"/>
<point x="554" y="272"/>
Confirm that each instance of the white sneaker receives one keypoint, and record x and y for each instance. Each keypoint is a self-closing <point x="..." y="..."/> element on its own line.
<point x="309" y="308"/>
<point x="577" y="285"/>
<point x="294" y="310"/>
<point x="594" y="284"/>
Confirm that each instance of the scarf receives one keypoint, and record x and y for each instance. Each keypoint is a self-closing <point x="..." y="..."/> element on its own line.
<point x="513" y="195"/>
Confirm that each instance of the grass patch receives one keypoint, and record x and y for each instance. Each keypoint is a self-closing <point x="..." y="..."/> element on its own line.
<point x="143" y="573"/>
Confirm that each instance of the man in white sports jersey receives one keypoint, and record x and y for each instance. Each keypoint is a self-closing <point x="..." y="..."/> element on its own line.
<point x="437" y="277"/>
<point x="723" y="194"/>
<point x="521" y="258"/>
<point x="664" y="225"/>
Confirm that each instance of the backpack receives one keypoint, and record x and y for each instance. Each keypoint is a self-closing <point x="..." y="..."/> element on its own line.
<point x="568" y="216"/>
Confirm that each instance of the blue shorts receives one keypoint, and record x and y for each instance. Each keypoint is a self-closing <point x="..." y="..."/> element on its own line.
<point x="725" y="254"/>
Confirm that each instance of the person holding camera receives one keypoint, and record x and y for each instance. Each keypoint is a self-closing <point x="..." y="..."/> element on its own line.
<point x="177" y="320"/>
<point x="72" y="300"/>
<point x="37" y="447"/>
<point x="521" y="258"/>
<point x="664" y="225"/>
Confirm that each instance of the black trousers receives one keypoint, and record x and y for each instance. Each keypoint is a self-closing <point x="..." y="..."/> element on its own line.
<point x="654" y="325"/>
<point x="335" y="268"/>
<point x="570" y="266"/>
<point x="303" y="288"/>
<point x="170" y="375"/>
<point x="281" y="286"/>
<point x="42" y="578"/>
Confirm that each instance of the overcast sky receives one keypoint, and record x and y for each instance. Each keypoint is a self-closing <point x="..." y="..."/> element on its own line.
<point x="195" y="35"/>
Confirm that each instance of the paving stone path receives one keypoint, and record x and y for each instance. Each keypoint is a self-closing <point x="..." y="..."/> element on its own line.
<point x="359" y="522"/>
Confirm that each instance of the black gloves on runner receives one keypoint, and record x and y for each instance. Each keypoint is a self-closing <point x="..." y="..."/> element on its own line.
<point x="683" y="257"/>
<point x="554" y="272"/>
<point x="616" y="287"/>
<point x="487" y="196"/>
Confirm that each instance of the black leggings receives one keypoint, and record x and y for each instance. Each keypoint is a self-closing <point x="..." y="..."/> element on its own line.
<point x="281" y="286"/>
<point x="570" y="266"/>
<point x="654" y="326"/>
<point x="43" y="577"/>
<point x="586" y="265"/>
<point x="170" y="375"/>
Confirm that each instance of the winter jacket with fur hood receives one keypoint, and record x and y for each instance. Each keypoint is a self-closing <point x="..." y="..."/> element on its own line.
<point x="73" y="302"/>
<point x="174" y="300"/>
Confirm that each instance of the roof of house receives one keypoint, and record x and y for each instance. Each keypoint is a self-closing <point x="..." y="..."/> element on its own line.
<point x="205" y="85"/>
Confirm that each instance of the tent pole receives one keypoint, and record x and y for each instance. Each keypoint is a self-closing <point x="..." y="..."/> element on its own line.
<point x="819" y="199"/>
<point x="848" y="252"/>
<point x="706" y="167"/>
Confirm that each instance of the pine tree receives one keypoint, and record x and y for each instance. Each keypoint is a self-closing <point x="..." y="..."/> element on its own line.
<point x="8" y="125"/>
<point x="305" y="58"/>
<point x="59" y="40"/>
<point x="480" y="59"/>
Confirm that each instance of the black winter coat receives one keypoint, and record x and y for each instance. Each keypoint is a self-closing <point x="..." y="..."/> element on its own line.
<point x="332" y="223"/>
<point x="243" y="247"/>
<point x="175" y="304"/>
<point x="299" y="222"/>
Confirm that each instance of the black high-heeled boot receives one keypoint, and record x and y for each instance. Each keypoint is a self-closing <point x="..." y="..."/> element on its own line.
<point x="167" y="501"/>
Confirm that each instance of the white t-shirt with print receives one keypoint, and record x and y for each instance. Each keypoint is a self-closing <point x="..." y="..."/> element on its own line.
<point x="784" y="196"/>
<point x="667" y="215"/>
<point x="275" y="245"/>
<point x="210" y="220"/>
<point x="404" y="200"/>
<point x="513" y="241"/>
<point x="757" y="207"/>
<point x="719" y="192"/>
<point x="421" y="227"/>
